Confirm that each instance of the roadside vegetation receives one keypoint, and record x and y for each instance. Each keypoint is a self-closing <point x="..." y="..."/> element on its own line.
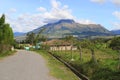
<point x="57" y="69"/>
<point x="6" y="38"/>
<point x="99" y="59"/>
<point x="5" y="54"/>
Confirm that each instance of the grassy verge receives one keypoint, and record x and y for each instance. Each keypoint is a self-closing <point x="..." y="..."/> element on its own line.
<point x="6" y="54"/>
<point x="57" y="69"/>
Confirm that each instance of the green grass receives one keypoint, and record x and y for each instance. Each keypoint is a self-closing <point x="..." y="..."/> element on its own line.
<point x="107" y="60"/>
<point x="6" y="54"/>
<point x="57" y="69"/>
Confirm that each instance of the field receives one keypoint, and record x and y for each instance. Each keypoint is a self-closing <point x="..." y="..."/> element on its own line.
<point x="106" y="67"/>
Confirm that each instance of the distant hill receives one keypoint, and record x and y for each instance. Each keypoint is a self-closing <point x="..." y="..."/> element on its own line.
<point x="67" y="26"/>
<point x="117" y="32"/>
<point x="18" y="34"/>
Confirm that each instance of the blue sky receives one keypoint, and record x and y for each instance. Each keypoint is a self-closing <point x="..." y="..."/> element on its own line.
<point x="26" y="15"/>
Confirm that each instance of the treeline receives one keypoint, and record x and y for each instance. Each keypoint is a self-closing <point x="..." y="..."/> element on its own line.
<point x="6" y="35"/>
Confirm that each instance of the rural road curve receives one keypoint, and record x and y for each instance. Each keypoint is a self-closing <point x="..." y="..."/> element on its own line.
<point x="24" y="65"/>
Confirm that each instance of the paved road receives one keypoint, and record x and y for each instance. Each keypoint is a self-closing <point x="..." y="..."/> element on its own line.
<point x="24" y="65"/>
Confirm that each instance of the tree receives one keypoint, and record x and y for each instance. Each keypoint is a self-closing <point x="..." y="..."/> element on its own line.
<point x="6" y="35"/>
<point x="30" y="38"/>
<point x="33" y="38"/>
<point x="115" y="43"/>
<point x="2" y="20"/>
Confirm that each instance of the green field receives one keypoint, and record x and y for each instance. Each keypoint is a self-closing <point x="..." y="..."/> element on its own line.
<point x="105" y="69"/>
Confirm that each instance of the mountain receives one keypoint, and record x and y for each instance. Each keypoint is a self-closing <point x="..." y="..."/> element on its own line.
<point x="18" y="34"/>
<point x="117" y="32"/>
<point x="67" y="26"/>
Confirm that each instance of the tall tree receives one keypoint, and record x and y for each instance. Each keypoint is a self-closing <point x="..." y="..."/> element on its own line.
<point x="6" y="35"/>
<point x="2" y="20"/>
<point x="30" y="38"/>
<point x="33" y="38"/>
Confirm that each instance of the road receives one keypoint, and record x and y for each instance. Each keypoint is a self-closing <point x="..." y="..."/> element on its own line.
<point x="24" y="65"/>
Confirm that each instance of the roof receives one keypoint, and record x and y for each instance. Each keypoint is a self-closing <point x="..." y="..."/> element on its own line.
<point x="56" y="42"/>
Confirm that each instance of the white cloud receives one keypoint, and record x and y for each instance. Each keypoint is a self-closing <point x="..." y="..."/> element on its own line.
<point x="27" y="22"/>
<point x="55" y="4"/>
<point x="41" y="9"/>
<point x="12" y="10"/>
<point x="116" y="26"/>
<point x="85" y="21"/>
<point x="116" y="2"/>
<point x="117" y="14"/>
<point x="58" y="12"/>
<point x="98" y="1"/>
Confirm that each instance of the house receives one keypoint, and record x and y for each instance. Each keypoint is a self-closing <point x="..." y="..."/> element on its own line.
<point x="59" y="45"/>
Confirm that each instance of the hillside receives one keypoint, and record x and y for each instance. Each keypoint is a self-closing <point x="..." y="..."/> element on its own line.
<point x="117" y="32"/>
<point x="18" y="34"/>
<point x="66" y="26"/>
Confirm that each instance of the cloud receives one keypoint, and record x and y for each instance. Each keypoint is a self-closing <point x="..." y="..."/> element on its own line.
<point x="41" y="9"/>
<point x="116" y="25"/>
<point x="12" y="10"/>
<point x="116" y="14"/>
<point x="27" y="22"/>
<point x="57" y="12"/>
<point x="85" y="21"/>
<point x="55" y="4"/>
<point x="98" y="1"/>
<point x="116" y="2"/>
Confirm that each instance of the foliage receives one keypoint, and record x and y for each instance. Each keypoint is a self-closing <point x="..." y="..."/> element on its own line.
<point x="57" y="69"/>
<point x="105" y="74"/>
<point x="115" y="43"/>
<point x="6" y="35"/>
<point x="7" y="53"/>
<point x="96" y="57"/>
<point x="30" y="38"/>
<point x="33" y="38"/>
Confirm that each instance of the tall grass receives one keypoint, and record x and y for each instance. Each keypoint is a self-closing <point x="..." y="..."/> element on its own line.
<point x="57" y="69"/>
<point x="107" y="60"/>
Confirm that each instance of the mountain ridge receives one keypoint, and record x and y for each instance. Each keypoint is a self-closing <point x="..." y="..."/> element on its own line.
<point x="117" y="32"/>
<point x="69" y="26"/>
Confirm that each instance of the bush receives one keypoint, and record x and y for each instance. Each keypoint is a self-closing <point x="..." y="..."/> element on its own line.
<point x="115" y="43"/>
<point x="105" y="74"/>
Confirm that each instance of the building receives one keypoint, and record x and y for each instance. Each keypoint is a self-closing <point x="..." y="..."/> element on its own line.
<point x="59" y="45"/>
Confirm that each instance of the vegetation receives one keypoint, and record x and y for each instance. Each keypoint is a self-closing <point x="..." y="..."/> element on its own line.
<point x="6" y="36"/>
<point x="58" y="69"/>
<point x="95" y="58"/>
<point x="7" y="53"/>
<point x="115" y="43"/>
<point x="33" y="38"/>
<point x="99" y="58"/>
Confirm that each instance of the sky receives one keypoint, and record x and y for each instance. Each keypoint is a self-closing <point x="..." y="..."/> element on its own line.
<point x="26" y="15"/>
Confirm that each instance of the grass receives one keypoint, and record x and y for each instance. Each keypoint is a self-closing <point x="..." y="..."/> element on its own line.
<point x="107" y="60"/>
<point x="57" y="69"/>
<point x="6" y="54"/>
